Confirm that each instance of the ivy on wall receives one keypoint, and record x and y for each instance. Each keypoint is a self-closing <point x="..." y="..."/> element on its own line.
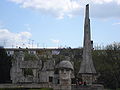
<point x="28" y="71"/>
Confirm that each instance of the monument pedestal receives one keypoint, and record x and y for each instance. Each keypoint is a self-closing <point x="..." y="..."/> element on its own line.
<point x="88" y="78"/>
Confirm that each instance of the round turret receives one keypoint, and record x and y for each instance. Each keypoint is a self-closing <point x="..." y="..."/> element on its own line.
<point x="65" y="65"/>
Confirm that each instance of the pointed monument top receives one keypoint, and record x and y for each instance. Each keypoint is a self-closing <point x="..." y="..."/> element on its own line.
<point x="87" y="5"/>
<point x="87" y="11"/>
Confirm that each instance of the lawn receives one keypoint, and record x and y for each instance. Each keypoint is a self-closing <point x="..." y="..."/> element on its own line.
<point x="25" y="89"/>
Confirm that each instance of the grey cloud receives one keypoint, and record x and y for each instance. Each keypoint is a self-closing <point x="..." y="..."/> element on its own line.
<point x="107" y="10"/>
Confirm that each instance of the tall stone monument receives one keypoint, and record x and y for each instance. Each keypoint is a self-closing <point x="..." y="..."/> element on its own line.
<point x="87" y="70"/>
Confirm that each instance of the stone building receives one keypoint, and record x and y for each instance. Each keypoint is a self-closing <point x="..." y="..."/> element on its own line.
<point x="39" y="72"/>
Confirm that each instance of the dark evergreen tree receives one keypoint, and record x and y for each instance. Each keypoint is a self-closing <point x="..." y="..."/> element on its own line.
<point x="5" y="65"/>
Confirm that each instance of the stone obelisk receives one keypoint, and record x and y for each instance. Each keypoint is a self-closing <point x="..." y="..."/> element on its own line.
<point x="87" y="70"/>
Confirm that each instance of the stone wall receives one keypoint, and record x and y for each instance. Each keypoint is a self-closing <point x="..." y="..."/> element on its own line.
<point x="30" y="64"/>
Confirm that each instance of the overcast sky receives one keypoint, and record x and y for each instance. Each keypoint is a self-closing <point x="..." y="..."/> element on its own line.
<point x="53" y="23"/>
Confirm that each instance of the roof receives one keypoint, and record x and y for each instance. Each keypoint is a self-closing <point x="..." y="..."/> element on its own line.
<point x="65" y="65"/>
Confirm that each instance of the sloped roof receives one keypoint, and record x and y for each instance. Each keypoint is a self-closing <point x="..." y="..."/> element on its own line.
<point x="65" y="65"/>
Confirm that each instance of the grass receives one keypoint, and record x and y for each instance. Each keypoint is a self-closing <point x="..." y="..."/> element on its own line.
<point x="25" y="89"/>
<point x="113" y="89"/>
<point x="42" y="89"/>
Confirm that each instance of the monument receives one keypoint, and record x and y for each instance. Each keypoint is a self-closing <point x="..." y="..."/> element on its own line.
<point x="87" y="69"/>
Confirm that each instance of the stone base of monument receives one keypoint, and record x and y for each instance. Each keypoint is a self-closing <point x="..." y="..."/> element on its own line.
<point x="92" y="87"/>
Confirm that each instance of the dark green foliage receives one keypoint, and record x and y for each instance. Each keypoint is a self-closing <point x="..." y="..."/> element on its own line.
<point x="5" y="65"/>
<point x="107" y="63"/>
<point x="12" y="89"/>
<point x="40" y="89"/>
<point x="76" y="58"/>
<point x="28" y="71"/>
<point x="29" y="56"/>
<point x="76" y="68"/>
<point x="46" y="89"/>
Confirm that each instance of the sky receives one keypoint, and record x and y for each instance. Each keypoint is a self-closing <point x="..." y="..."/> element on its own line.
<point x="57" y="23"/>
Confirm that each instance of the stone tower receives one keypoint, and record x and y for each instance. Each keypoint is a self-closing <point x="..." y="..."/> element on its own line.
<point x="65" y="69"/>
<point x="87" y="69"/>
